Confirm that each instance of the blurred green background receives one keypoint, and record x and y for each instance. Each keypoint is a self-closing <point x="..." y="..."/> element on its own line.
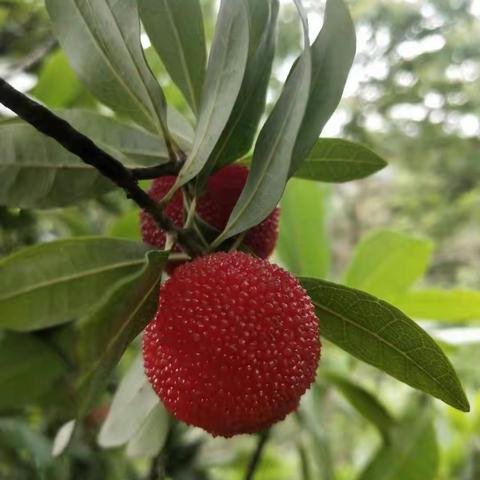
<point x="413" y="96"/>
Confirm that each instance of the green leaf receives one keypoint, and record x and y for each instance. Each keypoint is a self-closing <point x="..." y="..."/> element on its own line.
<point x="381" y="335"/>
<point x="303" y="244"/>
<point x="132" y="403"/>
<point x="273" y="151"/>
<point x="364" y="402"/>
<point x="240" y="131"/>
<point x="20" y="357"/>
<point x="150" y="439"/>
<point x="126" y="226"/>
<point x="441" y="305"/>
<point x="334" y="160"/>
<point x="387" y="263"/>
<point x="312" y="416"/>
<point x="115" y="322"/>
<point x="63" y="437"/>
<point x="226" y="67"/>
<point x="135" y="144"/>
<point x="36" y="172"/>
<point x="57" y="71"/>
<point x="332" y="57"/>
<point x="175" y="28"/>
<point x="102" y="43"/>
<point x="56" y="282"/>
<point x="18" y="437"/>
<point x="412" y="453"/>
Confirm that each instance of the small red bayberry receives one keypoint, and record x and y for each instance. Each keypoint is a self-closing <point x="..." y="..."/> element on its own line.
<point x="234" y="344"/>
<point x="214" y="207"/>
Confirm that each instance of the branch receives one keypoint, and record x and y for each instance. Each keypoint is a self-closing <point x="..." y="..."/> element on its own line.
<point x="149" y="173"/>
<point x="257" y="454"/>
<point x="83" y="147"/>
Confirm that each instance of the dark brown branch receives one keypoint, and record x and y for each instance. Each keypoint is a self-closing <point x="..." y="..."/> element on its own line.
<point x="83" y="147"/>
<point x="149" y="173"/>
<point x="257" y="455"/>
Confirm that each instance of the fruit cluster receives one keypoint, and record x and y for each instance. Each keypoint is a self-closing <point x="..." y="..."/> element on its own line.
<point x="235" y="340"/>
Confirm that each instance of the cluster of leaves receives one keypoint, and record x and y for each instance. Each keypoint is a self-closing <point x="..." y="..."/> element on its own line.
<point x="75" y="305"/>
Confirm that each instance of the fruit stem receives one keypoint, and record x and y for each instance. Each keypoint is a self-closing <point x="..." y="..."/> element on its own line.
<point x="238" y="241"/>
<point x="191" y="213"/>
<point x="257" y="454"/>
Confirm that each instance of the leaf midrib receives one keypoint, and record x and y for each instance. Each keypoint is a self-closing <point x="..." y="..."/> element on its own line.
<point x="356" y="161"/>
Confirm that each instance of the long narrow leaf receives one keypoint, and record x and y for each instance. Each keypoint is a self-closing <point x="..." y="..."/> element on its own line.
<point x="175" y="28"/>
<point x="273" y="151"/>
<point x="381" y="335"/>
<point x="226" y="67"/>
<point x="102" y="42"/>
<point x="241" y="128"/>
<point x="116" y="321"/>
<point x="332" y="57"/>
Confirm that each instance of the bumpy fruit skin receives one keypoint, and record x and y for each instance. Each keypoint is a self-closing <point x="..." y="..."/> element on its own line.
<point x="234" y="344"/>
<point x="214" y="206"/>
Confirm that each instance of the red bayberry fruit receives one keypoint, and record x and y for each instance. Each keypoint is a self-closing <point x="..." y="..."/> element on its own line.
<point x="234" y="344"/>
<point x="214" y="206"/>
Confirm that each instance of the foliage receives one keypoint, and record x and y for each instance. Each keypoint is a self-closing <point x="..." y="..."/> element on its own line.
<point x="74" y="299"/>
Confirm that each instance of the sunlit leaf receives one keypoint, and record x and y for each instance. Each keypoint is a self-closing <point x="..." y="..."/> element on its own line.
<point x="387" y="263"/>
<point x="57" y="71"/>
<point x="126" y="226"/>
<point x="303" y="244"/>
<point x="441" y="305"/>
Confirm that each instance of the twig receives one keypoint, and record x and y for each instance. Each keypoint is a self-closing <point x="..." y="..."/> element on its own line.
<point x="157" y="468"/>
<point x="304" y="462"/>
<point x="257" y="454"/>
<point x="83" y="147"/>
<point x="33" y="59"/>
<point x="149" y="173"/>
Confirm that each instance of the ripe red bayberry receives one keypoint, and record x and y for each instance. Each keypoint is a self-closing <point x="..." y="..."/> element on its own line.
<point x="234" y="344"/>
<point x="214" y="206"/>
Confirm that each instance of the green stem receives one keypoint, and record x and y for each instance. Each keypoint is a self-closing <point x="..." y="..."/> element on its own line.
<point x="257" y="455"/>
